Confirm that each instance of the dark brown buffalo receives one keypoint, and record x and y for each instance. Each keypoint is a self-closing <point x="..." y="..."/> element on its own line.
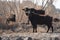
<point x="12" y="18"/>
<point x="36" y="19"/>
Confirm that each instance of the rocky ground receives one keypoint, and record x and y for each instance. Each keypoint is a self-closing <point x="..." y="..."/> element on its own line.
<point x="24" y="32"/>
<point x="23" y="28"/>
<point x="30" y="36"/>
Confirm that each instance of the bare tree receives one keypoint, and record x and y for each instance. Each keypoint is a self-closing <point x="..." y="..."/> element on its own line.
<point x="48" y="2"/>
<point x="50" y="8"/>
<point x="44" y="4"/>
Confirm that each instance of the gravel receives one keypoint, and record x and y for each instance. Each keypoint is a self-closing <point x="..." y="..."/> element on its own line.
<point x="30" y="36"/>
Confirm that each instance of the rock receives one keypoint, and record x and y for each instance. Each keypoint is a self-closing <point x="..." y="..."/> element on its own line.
<point x="30" y="36"/>
<point x="56" y="38"/>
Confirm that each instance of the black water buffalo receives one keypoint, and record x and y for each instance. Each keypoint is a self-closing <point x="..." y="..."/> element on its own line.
<point x="36" y="19"/>
<point x="12" y="18"/>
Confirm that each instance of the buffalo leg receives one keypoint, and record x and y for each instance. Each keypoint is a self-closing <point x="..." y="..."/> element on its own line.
<point x="52" y="28"/>
<point x="34" y="27"/>
<point x="48" y="28"/>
